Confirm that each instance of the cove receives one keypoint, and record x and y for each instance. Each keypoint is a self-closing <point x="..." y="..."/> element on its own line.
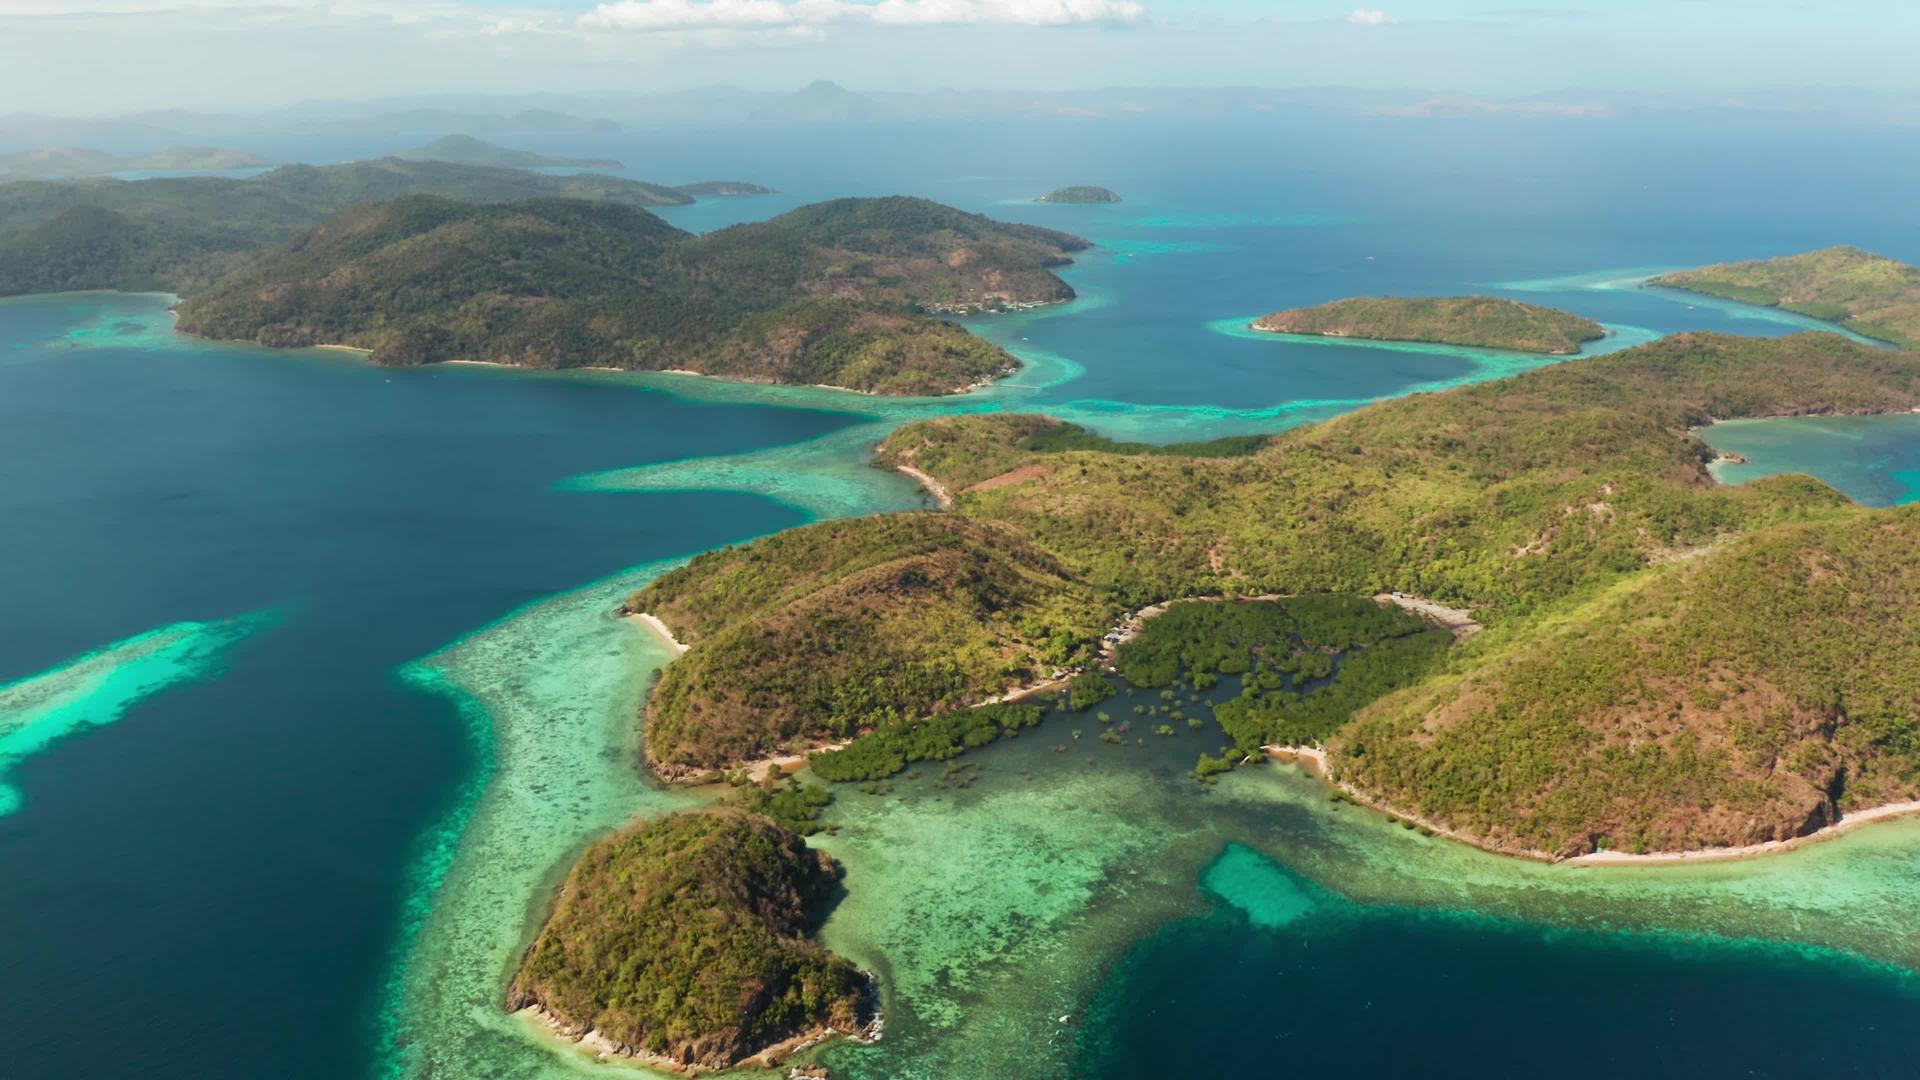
<point x="1873" y="460"/>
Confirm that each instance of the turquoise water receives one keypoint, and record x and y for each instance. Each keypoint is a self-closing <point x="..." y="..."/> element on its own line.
<point x="1317" y="982"/>
<point x="1875" y="460"/>
<point x="310" y="841"/>
<point x="98" y="688"/>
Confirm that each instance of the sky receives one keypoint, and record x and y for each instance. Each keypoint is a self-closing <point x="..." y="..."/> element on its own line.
<point x="83" y="57"/>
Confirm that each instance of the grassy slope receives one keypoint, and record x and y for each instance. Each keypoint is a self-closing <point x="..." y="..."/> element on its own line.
<point x="687" y="936"/>
<point x="833" y="294"/>
<point x="1863" y="292"/>
<point x="1524" y="499"/>
<point x="1477" y="321"/>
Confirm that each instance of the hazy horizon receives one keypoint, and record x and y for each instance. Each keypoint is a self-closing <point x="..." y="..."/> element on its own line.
<point x="831" y="99"/>
<point x="233" y="55"/>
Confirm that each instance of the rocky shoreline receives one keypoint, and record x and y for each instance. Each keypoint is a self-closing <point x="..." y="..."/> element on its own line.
<point x="771" y="1056"/>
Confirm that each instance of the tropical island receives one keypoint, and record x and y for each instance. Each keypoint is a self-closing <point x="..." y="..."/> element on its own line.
<point x="724" y="189"/>
<point x="1869" y="294"/>
<point x="64" y="162"/>
<point x="467" y="150"/>
<point x="1485" y="322"/>
<point x="686" y="942"/>
<point x="1080" y="193"/>
<point x="181" y="234"/>
<point x="844" y="293"/>
<point x="423" y="261"/>
<point x="1667" y="665"/>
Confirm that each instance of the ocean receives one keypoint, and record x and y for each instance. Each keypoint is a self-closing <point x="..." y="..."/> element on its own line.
<point x="310" y="686"/>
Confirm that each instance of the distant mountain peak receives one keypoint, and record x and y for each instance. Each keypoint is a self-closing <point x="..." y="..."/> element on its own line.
<point x="823" y="101"/>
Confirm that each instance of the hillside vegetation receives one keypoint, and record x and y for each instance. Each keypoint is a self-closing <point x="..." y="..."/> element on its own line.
<point x="1489" y="322"/>
<point x="179" y="234"/>
<point x="688" y="937"/>
<point x="1522" y="499"/>
<point x="837" y="294"/>
<point x="819" y="633"/>
<point x="1866" y="293"/>
<point x="1752" y="694"/>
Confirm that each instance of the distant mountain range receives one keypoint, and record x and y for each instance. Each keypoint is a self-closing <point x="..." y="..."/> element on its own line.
<point x="483" y="116"/>
<point x="342" y="119"/>
<point x="66" y="162"/>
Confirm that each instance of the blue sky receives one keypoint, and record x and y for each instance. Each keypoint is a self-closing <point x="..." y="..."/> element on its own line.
<point x="71" y="56"/>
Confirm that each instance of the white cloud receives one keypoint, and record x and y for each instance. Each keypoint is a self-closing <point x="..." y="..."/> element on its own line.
<point x="1370" y="17"/>
<point x="681" y="15"/>
<point x="315" y="11"/>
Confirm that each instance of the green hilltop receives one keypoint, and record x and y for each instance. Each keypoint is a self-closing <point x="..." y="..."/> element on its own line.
<point x="1489" y="322"/>
<point x="1755" y="692"/>
<point x="1871" y="295"/>
<point x="687" y="938"/>
<point x="841" y="293"/>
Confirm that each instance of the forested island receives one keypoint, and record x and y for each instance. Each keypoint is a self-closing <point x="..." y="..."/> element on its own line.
<point x="180" y="234"/>
<point x="467" y="150"/>
<point x="686" y="941"/>
<point x="1487" y="322"/>
<point x="1080" y="193"/>
<point x="1871" y="295"/>
<point x="724" y="189"/>
<point x="844" y="293"/>
<point x="423" y="261"/>
<point x="1569" y="508"/>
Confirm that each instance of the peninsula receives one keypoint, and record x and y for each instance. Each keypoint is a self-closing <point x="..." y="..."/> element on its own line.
<point x="467" y="150"/>
<point x="843" y="294"/>
<point x="1871" y="295"/>
<point x="1667" y="664"/>
<point x="685" y="942"/>
<point x="724" y="189"/>
<point x="1486" y="322"/>
<point x="1080" y="193"/>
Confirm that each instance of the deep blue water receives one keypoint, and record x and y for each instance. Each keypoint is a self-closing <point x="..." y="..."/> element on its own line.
<point x="208" y="887"/>
<point x="211" y="882"/>
<point x="1291" y="981"/>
